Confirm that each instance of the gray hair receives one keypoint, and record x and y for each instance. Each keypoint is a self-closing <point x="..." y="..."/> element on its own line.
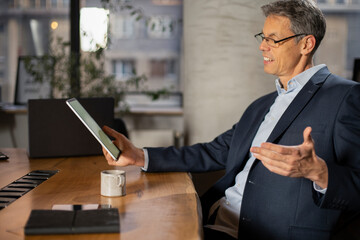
<point x="304" y="15"/>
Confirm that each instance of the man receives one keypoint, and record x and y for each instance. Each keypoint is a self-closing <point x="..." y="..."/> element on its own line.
<point x="295" y="172"/>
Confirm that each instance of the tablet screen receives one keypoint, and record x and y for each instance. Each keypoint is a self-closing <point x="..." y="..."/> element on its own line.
<point x="93" y="127"/>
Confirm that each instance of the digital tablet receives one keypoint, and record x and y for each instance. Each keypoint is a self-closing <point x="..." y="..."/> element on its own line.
<point x="93" y="127"/>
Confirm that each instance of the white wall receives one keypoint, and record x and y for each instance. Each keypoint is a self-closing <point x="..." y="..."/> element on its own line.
<point x="336" y="36"/>
<point x="223" y="67"/>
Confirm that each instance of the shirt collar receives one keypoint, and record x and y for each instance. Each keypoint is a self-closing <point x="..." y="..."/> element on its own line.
<point x="298" y="81"/>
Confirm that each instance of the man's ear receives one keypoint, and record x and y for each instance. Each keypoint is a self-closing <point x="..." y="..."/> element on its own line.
<point x="308" y="44"/>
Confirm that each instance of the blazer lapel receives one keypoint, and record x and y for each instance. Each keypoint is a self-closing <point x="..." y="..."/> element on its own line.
<point x="259" y="118"/>
<point x="244" y="138"/>
<point x="300" y="101"/>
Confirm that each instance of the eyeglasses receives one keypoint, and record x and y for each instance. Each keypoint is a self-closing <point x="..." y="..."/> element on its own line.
<point x="271" y="42"/>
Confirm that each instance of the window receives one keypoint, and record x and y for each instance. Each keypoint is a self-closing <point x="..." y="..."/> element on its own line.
<point x="32" y="3"/>
<point x="94" y="28"/>
<point x="28" y="33"/>
<point x="66" y="2"/>
<point x="161" y="27"/>
<point x="123" y="69"/>
<point x="163" y="68"/>
<point x="54" y="3"/>
<point x="43" y="3"/>
<point x="123" y="27"/>
<point x="146" y="37"/>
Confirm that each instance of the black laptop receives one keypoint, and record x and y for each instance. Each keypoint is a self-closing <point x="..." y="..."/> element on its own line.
<point x="54" y="130"/>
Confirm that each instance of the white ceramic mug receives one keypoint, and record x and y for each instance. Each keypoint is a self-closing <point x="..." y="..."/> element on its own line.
<point x="113" y="183"/>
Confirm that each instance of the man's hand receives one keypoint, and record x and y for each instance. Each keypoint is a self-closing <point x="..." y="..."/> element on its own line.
<point x="294" y="161"/>
<point x="130" y="155"/>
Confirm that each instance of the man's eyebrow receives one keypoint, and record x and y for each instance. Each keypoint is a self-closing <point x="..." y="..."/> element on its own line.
<point x="271" y="35"/>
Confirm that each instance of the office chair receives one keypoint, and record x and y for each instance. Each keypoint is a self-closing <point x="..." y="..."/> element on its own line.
<point x="55" y="131"/>
<point x="120" y="126"/>
<point x="356" y="70"/>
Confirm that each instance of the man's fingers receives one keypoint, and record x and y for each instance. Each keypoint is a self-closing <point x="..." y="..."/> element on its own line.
<point x="292" y="161"/>
<point x="267" y="147"/>
<point x="266" y="153"/>
<point x="113" y="133"/>
<point x="109" y="131"/>
<point x="307" y="135"/>
<point x="271" y="159"/>
<point x="274" y="148"/>
<point x="108" y="158"/>
<point x="104" y="151"/>
<point x="278" y="169"/>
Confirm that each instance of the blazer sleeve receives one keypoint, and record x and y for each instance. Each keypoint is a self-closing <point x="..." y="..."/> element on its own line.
<point x="343" y="190"/>
<point x="199" y="157"/>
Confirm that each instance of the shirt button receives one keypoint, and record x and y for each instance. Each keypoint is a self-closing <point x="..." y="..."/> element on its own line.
<point x="227" y="203"/>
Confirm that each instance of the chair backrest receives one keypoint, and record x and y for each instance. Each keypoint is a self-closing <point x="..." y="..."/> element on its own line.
<point x="356" y="70"/>
<point x="55" y="131"/>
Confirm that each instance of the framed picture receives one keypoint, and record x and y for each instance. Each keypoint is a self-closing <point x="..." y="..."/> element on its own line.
<point x="26" y="85"/>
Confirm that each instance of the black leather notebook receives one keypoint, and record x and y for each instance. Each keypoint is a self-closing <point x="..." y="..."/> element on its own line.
<point x="70" y="222"/>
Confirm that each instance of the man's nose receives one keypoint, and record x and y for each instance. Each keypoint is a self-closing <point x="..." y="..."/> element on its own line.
<point x="264" y="46"/>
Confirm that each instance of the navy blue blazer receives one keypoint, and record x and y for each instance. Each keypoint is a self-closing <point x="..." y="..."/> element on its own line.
<point x="274" y="206"/>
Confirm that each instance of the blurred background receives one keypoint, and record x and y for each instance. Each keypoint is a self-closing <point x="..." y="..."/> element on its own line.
<point x="199" y="58"/>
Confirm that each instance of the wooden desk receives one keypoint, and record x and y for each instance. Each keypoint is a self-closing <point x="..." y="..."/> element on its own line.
<point x="157" y="205"/>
